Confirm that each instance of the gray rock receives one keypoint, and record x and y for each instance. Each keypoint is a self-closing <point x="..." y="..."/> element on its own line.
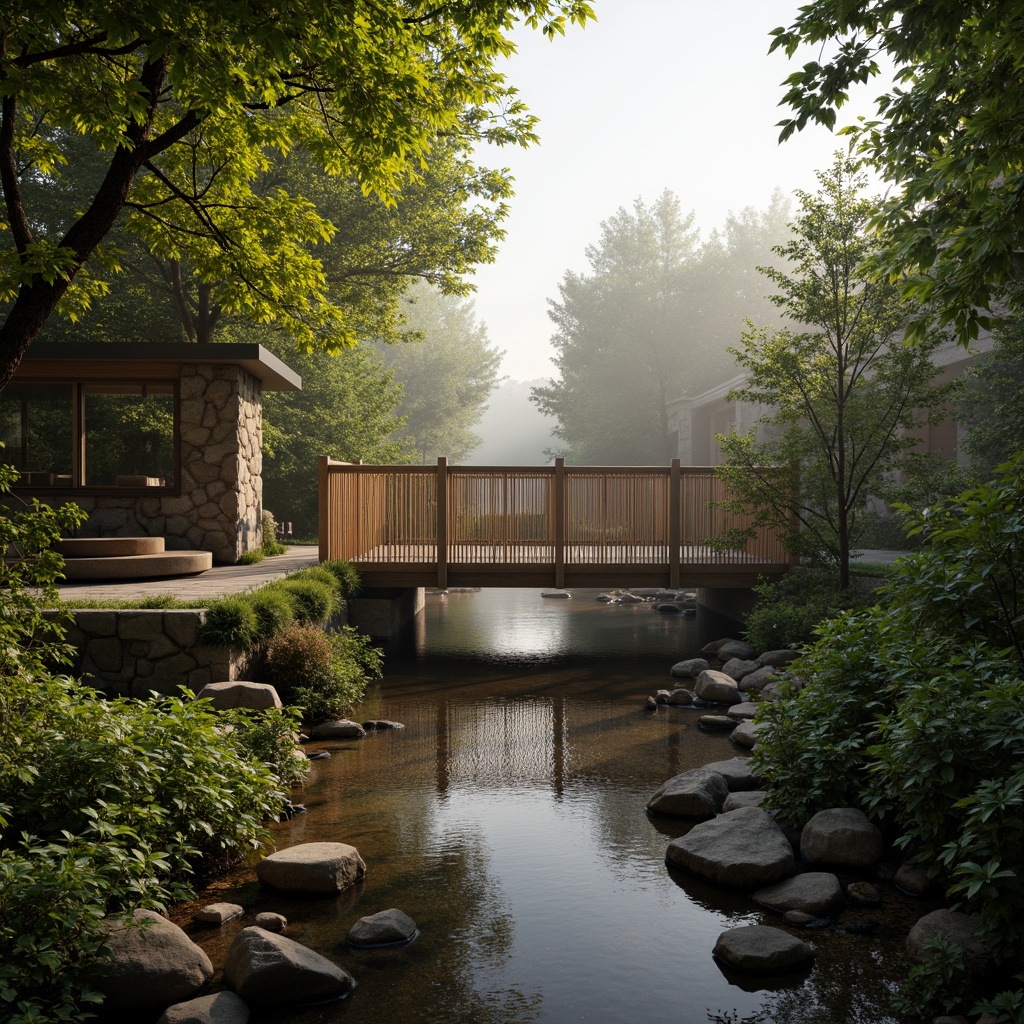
<point x="219" y="1008"/>
<point x="694" y="794"/>
<point x="751" y="798"/>
<point x="711" y="650"/>
<point x="662" y="696"/>
<point x="843" y="836"/>
<point x="816" y="892"/>
<point x="778" y="659"/>
<point x="736" y="649"/>
<point x="239" y="693"/>
<point x="338" y="729"/>
<point x="737" y="773"/>
<point x="758" y="947"/>
<point x="312" y="868"/>
<point x="716" y="723"/>
<point x="388" y="928"/>
<point x="218" y="913"/>
<point x="798" y="919"/>
<point x="381" y="725"/>
<point x="913" y="879"/>
<point x="717" y="687"/>
<point x="745" y="734"/>
<point x="743" y="848"/>
<point x="754" y="682"/>
<point x="274" y="970"/>
<point x="680" y="698"/>
<point x="958" y="928"/>
<point x="689" y="669"/>
<point x="742" y="712"/>
<point x="739" y="667"/>
<point x="651" y="704"/>
<point x="271" y="922"/>
<point x="863" y="894"/>
<point x="154" y="963"/>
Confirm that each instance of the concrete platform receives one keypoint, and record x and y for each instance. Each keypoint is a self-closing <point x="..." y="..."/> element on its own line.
<point x="108" y="547"/>
<point x="134" y="567"/>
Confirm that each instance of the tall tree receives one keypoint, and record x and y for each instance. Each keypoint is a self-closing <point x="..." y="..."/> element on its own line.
<point x="652" y="321"/>
<point x="446" y="375"/>
<point x="949" y="135"/>
<point x="365" y="88"/>
<point x="843" y="387"/>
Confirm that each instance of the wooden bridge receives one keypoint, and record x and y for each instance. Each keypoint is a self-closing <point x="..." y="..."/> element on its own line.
<point x="548" y="526"/>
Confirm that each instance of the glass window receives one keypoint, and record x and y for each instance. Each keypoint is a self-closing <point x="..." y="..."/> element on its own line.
<point x="37" y="429"/>
<point x="129" y="435"/>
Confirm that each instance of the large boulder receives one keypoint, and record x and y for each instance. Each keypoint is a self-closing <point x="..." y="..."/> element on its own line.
<point x="153" y="963"/>
<point x="742" y="712"/>
<point x="387" y="928"/>
<point x="743" y="848"/>
<point x="717" y="687"/>
<point x="815" y="892"/>
<point x="758" y="947"/>
<point x="694" y="794"/>
<point x="735" y="649"/>
<point x="218" y="1008"/>
<point x="958" y="928"/>
<point x="778" y="659"/>
<point x="337" y="729"/>
<point x="680" y="697"/>
<point x="756" y="681"/>
<point x="689" y="669"/>
<point x="312" y="868"/>
<point x="748" y="798"/>
<point x="239" y="693"/>
<point x="273" y="970"/>
<point x="737" y="668"/>
<point x="737" y="773"/>
<point x="745" y="734"/>
<point x="841" y="836"/>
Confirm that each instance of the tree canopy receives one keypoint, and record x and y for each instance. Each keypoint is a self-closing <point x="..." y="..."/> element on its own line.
<point x="650" y="322"/>
<point x="843" y="391"/>
<point x="949" y="135"/>
<point x="189" y="102"/>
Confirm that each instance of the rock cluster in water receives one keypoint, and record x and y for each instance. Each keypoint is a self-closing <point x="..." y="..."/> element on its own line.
<point x="736" y="842"/>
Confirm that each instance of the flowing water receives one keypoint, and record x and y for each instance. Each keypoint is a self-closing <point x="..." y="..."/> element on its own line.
<point x="507" y="819"/>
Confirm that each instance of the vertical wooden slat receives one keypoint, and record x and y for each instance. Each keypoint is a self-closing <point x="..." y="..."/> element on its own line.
<point x="559" y="524"/>
<point x="674" y="523"/>
<point x="442" y="522"/>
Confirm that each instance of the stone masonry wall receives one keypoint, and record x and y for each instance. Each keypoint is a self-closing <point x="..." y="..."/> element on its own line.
<point x="133" y="653"/>
<point x="220" y="505"/>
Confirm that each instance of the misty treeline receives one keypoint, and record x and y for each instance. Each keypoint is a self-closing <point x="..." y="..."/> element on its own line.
<point x="347" y="268"/>
<point x="653" y="320"/>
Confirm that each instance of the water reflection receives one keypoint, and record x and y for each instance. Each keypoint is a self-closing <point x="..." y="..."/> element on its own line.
<point x="508" y="820"/>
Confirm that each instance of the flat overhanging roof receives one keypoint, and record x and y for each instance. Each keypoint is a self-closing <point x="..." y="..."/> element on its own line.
<point x="84" y="360"/>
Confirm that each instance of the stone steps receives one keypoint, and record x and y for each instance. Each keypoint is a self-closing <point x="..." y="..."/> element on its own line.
<point x="127" y="558"/>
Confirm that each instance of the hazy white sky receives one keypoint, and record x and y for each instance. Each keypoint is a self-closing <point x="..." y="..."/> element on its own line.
<point x="677" y="94"/>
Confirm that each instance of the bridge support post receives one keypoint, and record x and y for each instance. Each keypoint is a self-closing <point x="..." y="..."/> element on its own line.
<point x="559" y="534"/>
<point x="674" y="523"/>
<point x="442" y="523"/>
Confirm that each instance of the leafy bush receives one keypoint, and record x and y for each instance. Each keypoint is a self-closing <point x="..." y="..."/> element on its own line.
<point x="324" y="674"/>
<point x="231" y="622"/>
<point x="269" y="737"/>
<point x="346" y="574"/>
<point x="315" y="600"/>
<point x="788" y="611"/>
<point x="274" y="609"/>
<point x="913" y="713"/>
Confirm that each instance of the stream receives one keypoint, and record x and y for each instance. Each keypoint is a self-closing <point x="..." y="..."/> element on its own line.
<point x="507" y="819"/>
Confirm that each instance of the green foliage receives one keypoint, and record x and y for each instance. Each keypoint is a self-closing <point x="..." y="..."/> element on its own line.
<point x="274" y="609"/>
<point x="942" y="985"/>
<point x="787" y="611"/>
<point x="324" y="674"/>
<point x="346" y="574"/>
<point x="912" y="713"/>
<point x="947" y="136"/>
<point x="230" y="622"/>
<point x="844" y="390"/>
<point x="650" y="323"/>
<point x="190" y="105"/>
<point x="316" y="595"/>
<point x="268" y="737"/>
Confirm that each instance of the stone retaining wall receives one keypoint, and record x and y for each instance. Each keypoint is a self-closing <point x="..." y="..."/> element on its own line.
<point x="133" y="653"/>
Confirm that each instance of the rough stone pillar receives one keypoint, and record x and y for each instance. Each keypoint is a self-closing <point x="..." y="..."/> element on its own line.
<point x="221" y="502"/>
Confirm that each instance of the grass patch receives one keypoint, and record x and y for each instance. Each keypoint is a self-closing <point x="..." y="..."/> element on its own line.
<point x="876" y="570"/>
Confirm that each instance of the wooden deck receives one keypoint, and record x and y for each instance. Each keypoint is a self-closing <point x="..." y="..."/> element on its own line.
<point x="551" y="526"/>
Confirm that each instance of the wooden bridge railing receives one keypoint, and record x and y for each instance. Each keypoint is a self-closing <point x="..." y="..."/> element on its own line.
<point x="524" y="526"/>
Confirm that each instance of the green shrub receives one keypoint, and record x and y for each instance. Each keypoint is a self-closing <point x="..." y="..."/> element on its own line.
<point x="253" y="557"/>
<point x="324" y="674"/>
<point x="274" y="609"/>
<point x="788" y="611"/>
<point x="346" y="574"/>
<point x="231" y="622"/>
<point x="315" y="600"/>
<point x="269" y="737"/>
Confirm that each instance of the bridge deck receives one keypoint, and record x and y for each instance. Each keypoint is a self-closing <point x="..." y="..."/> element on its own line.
<point x="551" y="526"/>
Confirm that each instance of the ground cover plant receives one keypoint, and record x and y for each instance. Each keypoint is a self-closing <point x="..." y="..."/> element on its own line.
<point x="912" y="713"/>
